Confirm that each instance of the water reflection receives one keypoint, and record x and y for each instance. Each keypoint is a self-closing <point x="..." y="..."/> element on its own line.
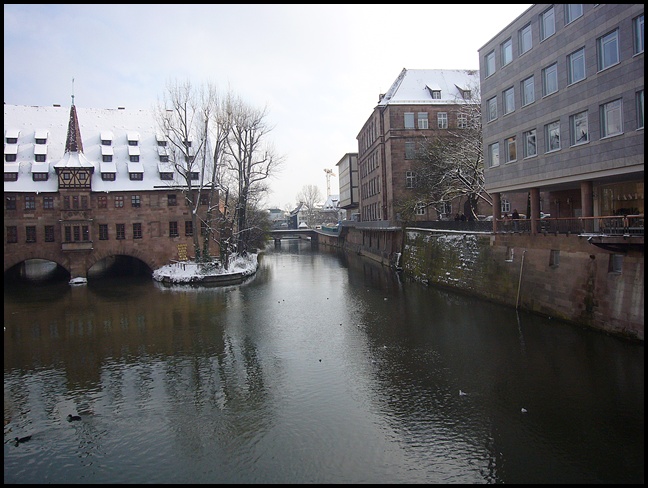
<point x="323" y="368"/>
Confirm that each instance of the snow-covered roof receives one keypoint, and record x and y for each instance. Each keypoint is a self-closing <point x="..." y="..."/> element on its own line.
<point x="28" y="123"/>
<point x="415" y="86"/>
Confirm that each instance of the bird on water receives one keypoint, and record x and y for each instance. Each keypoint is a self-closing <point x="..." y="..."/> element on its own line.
<point x="72" y="418"/>
<point x="20" y="440"/>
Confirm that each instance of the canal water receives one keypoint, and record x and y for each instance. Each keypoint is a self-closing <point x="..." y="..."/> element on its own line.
<point x="322" y="368"/>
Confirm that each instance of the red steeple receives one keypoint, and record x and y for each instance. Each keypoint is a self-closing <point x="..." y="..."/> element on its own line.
<point x="73" y="143"/>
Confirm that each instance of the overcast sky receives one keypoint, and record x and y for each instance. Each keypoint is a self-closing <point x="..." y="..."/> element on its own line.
<point x="317" y="68"/>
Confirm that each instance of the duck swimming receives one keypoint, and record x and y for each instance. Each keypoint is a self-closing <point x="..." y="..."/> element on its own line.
<point x="20" y="440"/>
<point x="72" y="418"/>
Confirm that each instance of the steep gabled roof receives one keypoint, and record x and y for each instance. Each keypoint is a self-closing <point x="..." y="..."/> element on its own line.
<point x="415" y="86"/>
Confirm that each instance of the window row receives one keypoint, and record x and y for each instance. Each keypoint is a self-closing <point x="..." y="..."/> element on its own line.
<point x="442" y="120"/>
<point x="610" y="121"/>
<point x="75" y="202"/>
<point x="607" y="45"/>
<point x="81" y="232"/>
<point x="576" y="71"/>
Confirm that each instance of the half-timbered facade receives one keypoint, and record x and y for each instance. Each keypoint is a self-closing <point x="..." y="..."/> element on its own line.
<point x="82" y="185"/>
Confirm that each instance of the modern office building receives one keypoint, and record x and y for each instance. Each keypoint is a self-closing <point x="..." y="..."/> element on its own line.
<point x="562" y="93"/>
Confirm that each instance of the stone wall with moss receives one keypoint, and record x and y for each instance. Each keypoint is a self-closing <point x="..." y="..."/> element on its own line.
<point x="559" y="276"/>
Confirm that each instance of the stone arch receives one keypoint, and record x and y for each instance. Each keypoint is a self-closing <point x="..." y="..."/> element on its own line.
<point x="133" y="253"/>
<point x="55" y="257"/>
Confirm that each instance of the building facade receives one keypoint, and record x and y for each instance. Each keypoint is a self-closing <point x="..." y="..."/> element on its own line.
<point x="562" y="93"/>
<point x="348" y="182"/>
<point x="423" y="103"/>
<point x="83" y="185"/>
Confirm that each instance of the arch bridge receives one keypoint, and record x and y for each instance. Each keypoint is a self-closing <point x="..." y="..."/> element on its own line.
<point x="279" y="234"/>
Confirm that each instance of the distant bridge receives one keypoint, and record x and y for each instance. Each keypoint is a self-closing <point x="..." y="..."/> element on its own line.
<point x="278" y="234"/>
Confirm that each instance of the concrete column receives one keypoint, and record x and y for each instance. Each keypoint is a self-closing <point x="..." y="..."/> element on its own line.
<point x="535" y="210"/>
<point x="497" y="206"/>
<point x="587" y="199"/>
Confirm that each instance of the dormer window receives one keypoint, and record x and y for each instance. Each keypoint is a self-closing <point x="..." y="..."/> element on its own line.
<point x="11" y="152"/>
<point x="41" y="136"/>
<point x="11" y="136"/>
<point x="161" y="140"/>
<point x="436" y="94"/>
<point x="466" y="94"/>
<point x="187" y="143"/>
<point x="40" y="153"/>
<point x="106" y="137"/>
<point x="134" y="153"/>
<point x="107" y="154"/>
<point x="133" y="138"/>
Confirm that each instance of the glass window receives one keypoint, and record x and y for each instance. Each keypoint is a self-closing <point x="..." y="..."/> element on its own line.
<point x="49" y="233"/>
<point x="462" y="121"/>
<point x="410" y="149"/>
<point x="528" y="91"/>
<point x="135" y="201"/>
<point x="134" y="159"/>
<point x="507" y="52"/>
<point x="171" y="200"/>
<point x="30" y="233"/>
<point x="490" y="63"/>
<point x="505" y="205"/>
<point x="608" y="50"/>
<point x="103" y="232"/>
<point x="137" y="230"/>
<point x="121" y="231"/>
<point x="30" y="202"/>
<point x="409" y="120"/>
<point x="10" y="203"/>
<point x="611" y="118"/>
<point x="442" y="120"/>
<point x="573" y="11"/>
<point x="492" y="109"/>
<point x="576" y="65"/>
<point x="547" y="24"/>
<point x="550" y="80"/>
<point x="552" y="136"/>
<point x="579" y="132"/>
<point x="48" y="203"/>
<point x="511" y="149"/>
<point x="493" y="155"/>
<point x="530" y="148"/>
<point x="422" y="120"/>
<point x="119" y="201"/>
<point x="102" y="201"/>
<point x="420" y="209"/>
<point x="410" y="179"/>
<point x="640" y="109"/>
<point x="12" y="234"/>
<point x="173" y="229"/>
<point x="188" y="228"/>
<point x="526" y="40"/>
<point x="638" y="28"/>
<point x="509" y="101"/>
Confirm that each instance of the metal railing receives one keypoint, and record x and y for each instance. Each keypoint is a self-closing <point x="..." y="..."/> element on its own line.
<point x="612" y="225"/>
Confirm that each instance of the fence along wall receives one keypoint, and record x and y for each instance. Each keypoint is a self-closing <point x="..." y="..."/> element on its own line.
<point x="560" y="276"/>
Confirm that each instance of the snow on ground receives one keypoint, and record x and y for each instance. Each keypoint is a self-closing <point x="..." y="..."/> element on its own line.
<point x="186" y="271"/>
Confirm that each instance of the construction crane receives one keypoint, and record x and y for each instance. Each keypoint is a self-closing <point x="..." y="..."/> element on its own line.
<point x="329" y="173"/>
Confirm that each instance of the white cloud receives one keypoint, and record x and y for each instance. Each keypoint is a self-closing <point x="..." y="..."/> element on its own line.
<point x="318" y="68"/>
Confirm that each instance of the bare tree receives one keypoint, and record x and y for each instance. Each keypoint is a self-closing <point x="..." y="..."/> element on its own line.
<point x="184" y="117"/>
<point x="251" y="160"/>
<point x="451" y="166"/>
<point x="311" y="198"/>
